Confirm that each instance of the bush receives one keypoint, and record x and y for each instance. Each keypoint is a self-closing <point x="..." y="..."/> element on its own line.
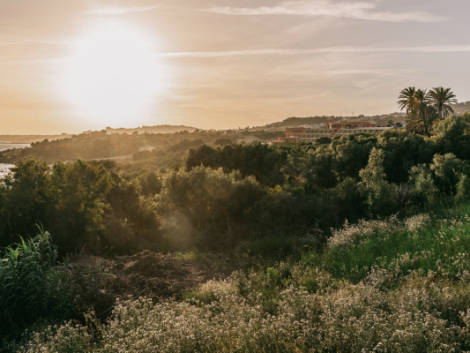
<point x="215" y="204"/>
<point x="350" y="318"/>
<point x="84" y="205"/>
<point x="463" y="189"/>
<point x="381" y="195"/>
<point x="391" y="286"/>
<point x="32" y="289"/>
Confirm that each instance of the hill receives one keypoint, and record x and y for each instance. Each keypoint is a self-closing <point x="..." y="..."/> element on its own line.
<point x="317" y="121"/>
<point x="28" y="139"/>
<point x="154" y="129"/>
<point x="462" y="108"/>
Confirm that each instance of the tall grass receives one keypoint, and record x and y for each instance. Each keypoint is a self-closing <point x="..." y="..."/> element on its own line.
<point x="382" y="286"/>
<point x="32" y="289"/>
<point x="418" y="243"/>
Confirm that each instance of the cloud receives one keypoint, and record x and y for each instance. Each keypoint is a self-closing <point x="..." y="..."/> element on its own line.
<point x="354" y="10"/>
<point x="117" y="11"/>
<point x="461" y="48"/>
<point x="45" y="42"/>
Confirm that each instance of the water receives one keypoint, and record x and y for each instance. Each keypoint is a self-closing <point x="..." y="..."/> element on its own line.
<point x="9" y="146"/>
<point x="5" y="168"/>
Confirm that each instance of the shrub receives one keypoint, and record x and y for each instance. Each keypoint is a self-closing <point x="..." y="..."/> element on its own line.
<point x="380" y="193"/>
<point x="426" y="191"/>
<point x="84" y="205"/>
<point x="447" y="170"/>
<point x="216" y="204"/>
<point x="463" y="189"/>
<point x="350" y="318"/>
<point x="32" y="289"/>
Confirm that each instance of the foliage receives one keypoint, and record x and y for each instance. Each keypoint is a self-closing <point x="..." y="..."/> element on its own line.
<point x="258" y="160"/>
<point x="216" y="204"/>
<point x="381" y="286"/>
<point x="379" y="191"/>
<point x="258" y="191"/>
<point x="362" y="267"/>
<point x="424" y="107"/>
<point x="32" y="289"/>
<point x="84" y="205"/>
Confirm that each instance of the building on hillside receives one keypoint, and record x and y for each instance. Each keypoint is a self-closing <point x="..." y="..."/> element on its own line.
<point x="303" y="134"/>
<point x="295" y="132"/>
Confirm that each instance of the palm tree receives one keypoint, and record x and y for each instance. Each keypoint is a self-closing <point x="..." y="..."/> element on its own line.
<point x="442" y="99"/>
<point x="423" y="110"/>
<point x="420" y="113"/>
<point x="406" y="99"/>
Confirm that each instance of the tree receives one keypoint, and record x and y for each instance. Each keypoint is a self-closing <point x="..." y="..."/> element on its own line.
<point x="463" y="189"/>
<point x="442" y="99"/>
<point x="426" y="191"/>
<point x="452" y="135"/>
<point x="407" y="102"/>
<point x="380" y="193"/>
<point x="420" y="112"/>
<point x="406" y="99"/>
<point x="424" y="111"/>
<point x="447" y="169"/>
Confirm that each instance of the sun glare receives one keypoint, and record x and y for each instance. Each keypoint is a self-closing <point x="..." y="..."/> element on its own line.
<point x="112" y="75"/>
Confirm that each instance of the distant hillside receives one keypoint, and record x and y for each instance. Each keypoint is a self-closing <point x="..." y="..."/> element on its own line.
<point x="316" y="121"/>
<point x="462" y="108"/>
<point x="27" y="139"/>
<point x="156" y="129"/>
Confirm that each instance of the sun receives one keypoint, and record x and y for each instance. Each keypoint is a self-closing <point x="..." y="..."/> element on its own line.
<point x="112" y="75"/>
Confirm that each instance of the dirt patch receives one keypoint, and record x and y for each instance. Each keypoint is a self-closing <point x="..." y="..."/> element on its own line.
<point x="147" y="273"/>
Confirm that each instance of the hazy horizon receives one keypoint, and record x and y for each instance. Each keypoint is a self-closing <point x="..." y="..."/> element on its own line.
<point x="84" y="65"/>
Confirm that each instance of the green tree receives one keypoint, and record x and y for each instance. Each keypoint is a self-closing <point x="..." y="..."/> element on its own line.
<point x="419" y="110"/>
<point x="214" y="203"/>
<point x="27" y="199"/>
<point x="451" y="135"/>
<point x="424" y="112"/>
<point x="379" y="191"/>
<point x="426" y="191"/>
<point x="447" y="169"/>
<point x="463" y="189"/>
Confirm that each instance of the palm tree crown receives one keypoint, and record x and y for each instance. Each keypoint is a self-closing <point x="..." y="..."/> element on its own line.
<point x="406" y="98"/>
<point x="442" y="100"/>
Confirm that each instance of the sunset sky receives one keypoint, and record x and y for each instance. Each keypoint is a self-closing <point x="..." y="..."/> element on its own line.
<point x="220" y="63"/>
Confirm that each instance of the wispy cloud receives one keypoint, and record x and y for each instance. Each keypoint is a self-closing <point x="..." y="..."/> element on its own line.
<point x="117" y="11"/>
<point x="45" y="42"/>
<point x="355" y="10"/>
<point x="460" y="48"/>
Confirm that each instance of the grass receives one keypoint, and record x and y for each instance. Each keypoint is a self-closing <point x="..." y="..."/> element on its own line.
<point x="379" y="286"/>
<point x="33" y="290"/>
<point x="440" y="246"/>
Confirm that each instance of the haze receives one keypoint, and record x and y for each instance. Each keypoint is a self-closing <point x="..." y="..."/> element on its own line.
<point x="227" y="63"/>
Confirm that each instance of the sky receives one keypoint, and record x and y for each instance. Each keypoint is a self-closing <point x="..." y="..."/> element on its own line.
<point x="226" y="63"/>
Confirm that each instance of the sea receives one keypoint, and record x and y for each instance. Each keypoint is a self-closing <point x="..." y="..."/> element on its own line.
<point x="5" y="168"/>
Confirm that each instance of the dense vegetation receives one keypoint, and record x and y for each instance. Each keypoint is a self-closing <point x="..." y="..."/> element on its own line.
<point x="230" y="194"/>
<point x="390" y="278"/>
<point x="379" y="286"/>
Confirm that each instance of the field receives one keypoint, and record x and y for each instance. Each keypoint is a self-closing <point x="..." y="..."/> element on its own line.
<point x="356" y="243"/>
<point x="378" y="286"/>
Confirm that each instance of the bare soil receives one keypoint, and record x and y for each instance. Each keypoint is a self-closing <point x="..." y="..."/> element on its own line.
<point x="146" y="274"/>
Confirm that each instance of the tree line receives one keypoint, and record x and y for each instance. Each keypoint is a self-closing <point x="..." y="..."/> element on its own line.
<point x="224" y="196"/>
